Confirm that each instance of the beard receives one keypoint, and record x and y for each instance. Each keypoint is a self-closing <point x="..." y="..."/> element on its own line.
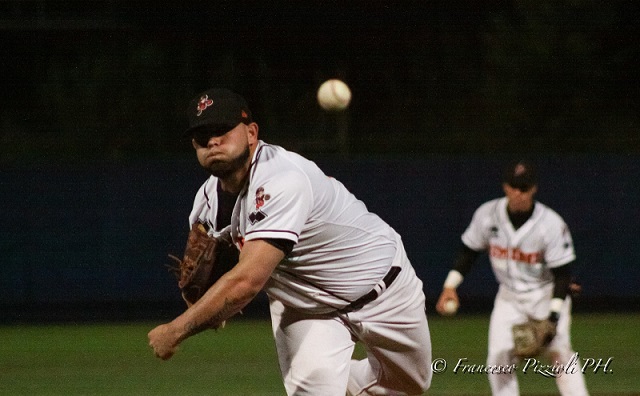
<point x="224" y="169"/>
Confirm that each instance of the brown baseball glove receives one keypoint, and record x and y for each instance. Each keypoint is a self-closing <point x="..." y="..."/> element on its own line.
<point x="205" y="260"/>
<point x="532" y="337"/>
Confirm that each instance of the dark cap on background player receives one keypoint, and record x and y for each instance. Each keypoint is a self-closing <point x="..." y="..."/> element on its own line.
<point x="521" y="175"/>
<point x="215" y="112"/>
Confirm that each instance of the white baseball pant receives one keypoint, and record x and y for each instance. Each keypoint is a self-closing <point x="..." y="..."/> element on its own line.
<point x="315" y="351"/>
<point x="509" y="309"/>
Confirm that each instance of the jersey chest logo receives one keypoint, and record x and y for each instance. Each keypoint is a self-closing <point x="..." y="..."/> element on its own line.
<point x="258" y="214"/>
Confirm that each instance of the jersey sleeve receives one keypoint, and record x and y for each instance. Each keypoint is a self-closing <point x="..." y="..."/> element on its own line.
<point x="279" y="207"/>
<point x="559" y="244"/>
<point x="475" y="237"/>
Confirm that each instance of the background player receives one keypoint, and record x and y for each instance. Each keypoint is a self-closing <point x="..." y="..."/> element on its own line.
<point x="334" y="272"/>
<point x="531" y="251"/>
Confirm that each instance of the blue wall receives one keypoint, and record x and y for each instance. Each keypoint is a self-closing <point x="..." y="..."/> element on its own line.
<point x="73" y="237"/>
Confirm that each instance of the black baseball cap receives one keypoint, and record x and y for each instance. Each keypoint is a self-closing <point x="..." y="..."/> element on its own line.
<point x="218" y="110"/>
<point x="521" y="175"/>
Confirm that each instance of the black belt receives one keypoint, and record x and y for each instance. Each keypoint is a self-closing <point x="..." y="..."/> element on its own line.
<point x="373" y="294"/>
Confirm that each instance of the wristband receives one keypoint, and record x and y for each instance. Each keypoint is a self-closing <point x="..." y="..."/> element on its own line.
<point x="454" y="279"/>
<point x="554" y="307"/>
<point x="556" y="304"/>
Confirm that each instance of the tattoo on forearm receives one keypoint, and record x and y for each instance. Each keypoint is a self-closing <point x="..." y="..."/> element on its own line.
<point x="227" y="310"/>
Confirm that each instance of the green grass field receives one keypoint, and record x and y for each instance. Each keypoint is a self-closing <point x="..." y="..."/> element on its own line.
<point x="114" y="359"/>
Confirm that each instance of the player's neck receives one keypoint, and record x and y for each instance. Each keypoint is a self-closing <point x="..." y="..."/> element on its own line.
<point x="235" y="182"/>
<point x="519" y="218"/>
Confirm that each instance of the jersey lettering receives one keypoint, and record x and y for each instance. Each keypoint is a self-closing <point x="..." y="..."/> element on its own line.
<point x="514" y="254"/>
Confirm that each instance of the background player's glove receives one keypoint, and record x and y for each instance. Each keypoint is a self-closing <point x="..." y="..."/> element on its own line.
<point x="530" y="338"/>
<point x="205" y="260"/>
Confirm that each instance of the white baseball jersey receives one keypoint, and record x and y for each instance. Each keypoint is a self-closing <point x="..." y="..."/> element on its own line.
<point x="341" y="249"/>
<point x="521" y="259"/>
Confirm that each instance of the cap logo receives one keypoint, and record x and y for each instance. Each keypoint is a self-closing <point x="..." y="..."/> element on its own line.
<point x="244" y="114"/>
<point x="203" y="104"/>
<point x="520" y="169"/>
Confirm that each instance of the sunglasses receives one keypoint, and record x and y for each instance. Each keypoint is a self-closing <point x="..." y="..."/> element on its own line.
<point x="202" y="135"/>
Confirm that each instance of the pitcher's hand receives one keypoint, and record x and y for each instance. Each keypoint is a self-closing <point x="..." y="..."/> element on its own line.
<point x="164" y="341"/>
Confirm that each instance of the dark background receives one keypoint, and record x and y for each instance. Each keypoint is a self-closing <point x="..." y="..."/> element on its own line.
<point x="96" y="182"/>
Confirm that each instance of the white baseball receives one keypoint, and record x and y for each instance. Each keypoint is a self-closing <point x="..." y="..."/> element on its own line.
<point x="334" y="95"/>
<point x="450" y="307"/>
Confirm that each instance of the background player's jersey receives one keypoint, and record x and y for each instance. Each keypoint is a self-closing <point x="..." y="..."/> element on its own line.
<point x="341" y="249"/>
<point x="521" y="259"/>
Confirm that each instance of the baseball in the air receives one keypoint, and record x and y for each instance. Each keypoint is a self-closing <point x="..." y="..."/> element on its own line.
<point x="450" y="307"/>
<point x="334" y="95"/>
